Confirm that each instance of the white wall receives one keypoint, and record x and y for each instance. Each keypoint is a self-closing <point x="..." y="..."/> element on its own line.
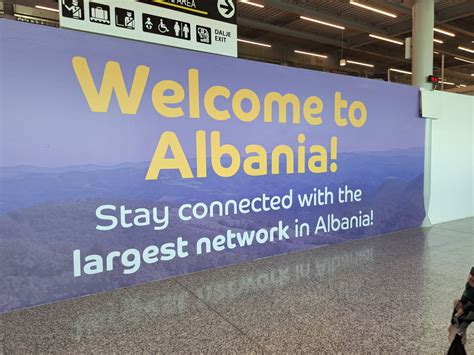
<point x="449" y="168"/>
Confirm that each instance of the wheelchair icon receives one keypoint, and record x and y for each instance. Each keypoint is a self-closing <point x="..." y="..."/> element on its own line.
<point x="162" y="27"/>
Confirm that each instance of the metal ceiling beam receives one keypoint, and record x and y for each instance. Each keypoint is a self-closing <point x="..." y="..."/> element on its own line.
<point x="324" y="14"/>
<point x="461" y="66"/>
<point x="467" y="89"/>
<point x="320" y="39"/>
<point x="451" y="73"/>
<point x="376" y="54"/>
<point x="394" y="31"/>
<point x="241" y="21"/>
<point x="459" y="29"/>
<point x="457" y="75"/>
<point x="455" y="12"/>
<point x="451" y="51"/>
<point x="296" y="60"/>
<point x="390" y="5"/>
<point x="449" y="14"/>
<point x="287" y="23"/>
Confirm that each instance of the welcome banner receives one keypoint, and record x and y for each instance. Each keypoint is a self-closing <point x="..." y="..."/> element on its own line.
<point x="123" y="162"/>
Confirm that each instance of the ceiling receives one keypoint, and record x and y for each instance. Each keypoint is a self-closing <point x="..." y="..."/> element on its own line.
<point x="280" y="25"/>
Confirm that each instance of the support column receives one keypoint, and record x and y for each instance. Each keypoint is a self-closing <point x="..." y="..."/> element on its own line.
<point x="422" y="66"/>
<point x="422" y="55"/>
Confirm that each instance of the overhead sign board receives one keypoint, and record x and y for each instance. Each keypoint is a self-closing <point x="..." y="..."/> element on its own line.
<point x="202" y="25"/>
<point x="220" y="10"/>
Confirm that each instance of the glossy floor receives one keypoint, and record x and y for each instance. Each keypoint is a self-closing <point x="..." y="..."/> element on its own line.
<point x="384" y="294"/>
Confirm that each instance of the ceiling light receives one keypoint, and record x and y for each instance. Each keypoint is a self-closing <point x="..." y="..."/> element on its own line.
<point x="437" y="40"/>
<point x="462" y="85"/>
<point x="472" y="74"/>
<point x="252" y="3"/>
<point x="464" y="60"/>
<point x="466" y="49"/>
<point x="343" y="63"/>
<point x="436" y="52"/>
<point x="359" y="63"/>
<point x="352" y="2"/>
<point x="446" y="83"/>
<point x="46" y="8"/>
<point x="322" y="22"/>
<point x="400" y="71"/>
<point x="386" y="39"/>
<point x="256" y="43"/>
<point x="444" y="32"/>
<point x="311" y="54"/>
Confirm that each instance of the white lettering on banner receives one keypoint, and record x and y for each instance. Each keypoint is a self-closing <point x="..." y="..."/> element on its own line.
<point x="319" y="197"/>
<point x="243" y="239"/>
<point x="263" y="203"/>
<point x="331" y="223"/>
<point x="227" y="237"/>
<point x="129" y="259"/>
<point x="111" y="216"/>
<point x="128" y="218"/>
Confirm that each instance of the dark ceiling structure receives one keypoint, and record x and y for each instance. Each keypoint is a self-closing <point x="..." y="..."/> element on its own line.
<point x="369" y="35"/>
<point x="285" y="26"/>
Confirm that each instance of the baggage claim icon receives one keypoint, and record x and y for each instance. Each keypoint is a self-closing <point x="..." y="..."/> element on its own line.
<point x="99" y="13"/>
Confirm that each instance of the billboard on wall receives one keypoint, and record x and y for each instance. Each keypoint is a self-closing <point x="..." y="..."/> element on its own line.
<point x="123" y="162"/>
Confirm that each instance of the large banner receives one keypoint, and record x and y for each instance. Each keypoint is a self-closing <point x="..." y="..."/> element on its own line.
<point x="124" y="162"/>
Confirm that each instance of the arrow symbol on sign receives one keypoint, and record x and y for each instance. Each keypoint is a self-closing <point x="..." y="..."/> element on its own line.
<point x="227" y="6"/>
